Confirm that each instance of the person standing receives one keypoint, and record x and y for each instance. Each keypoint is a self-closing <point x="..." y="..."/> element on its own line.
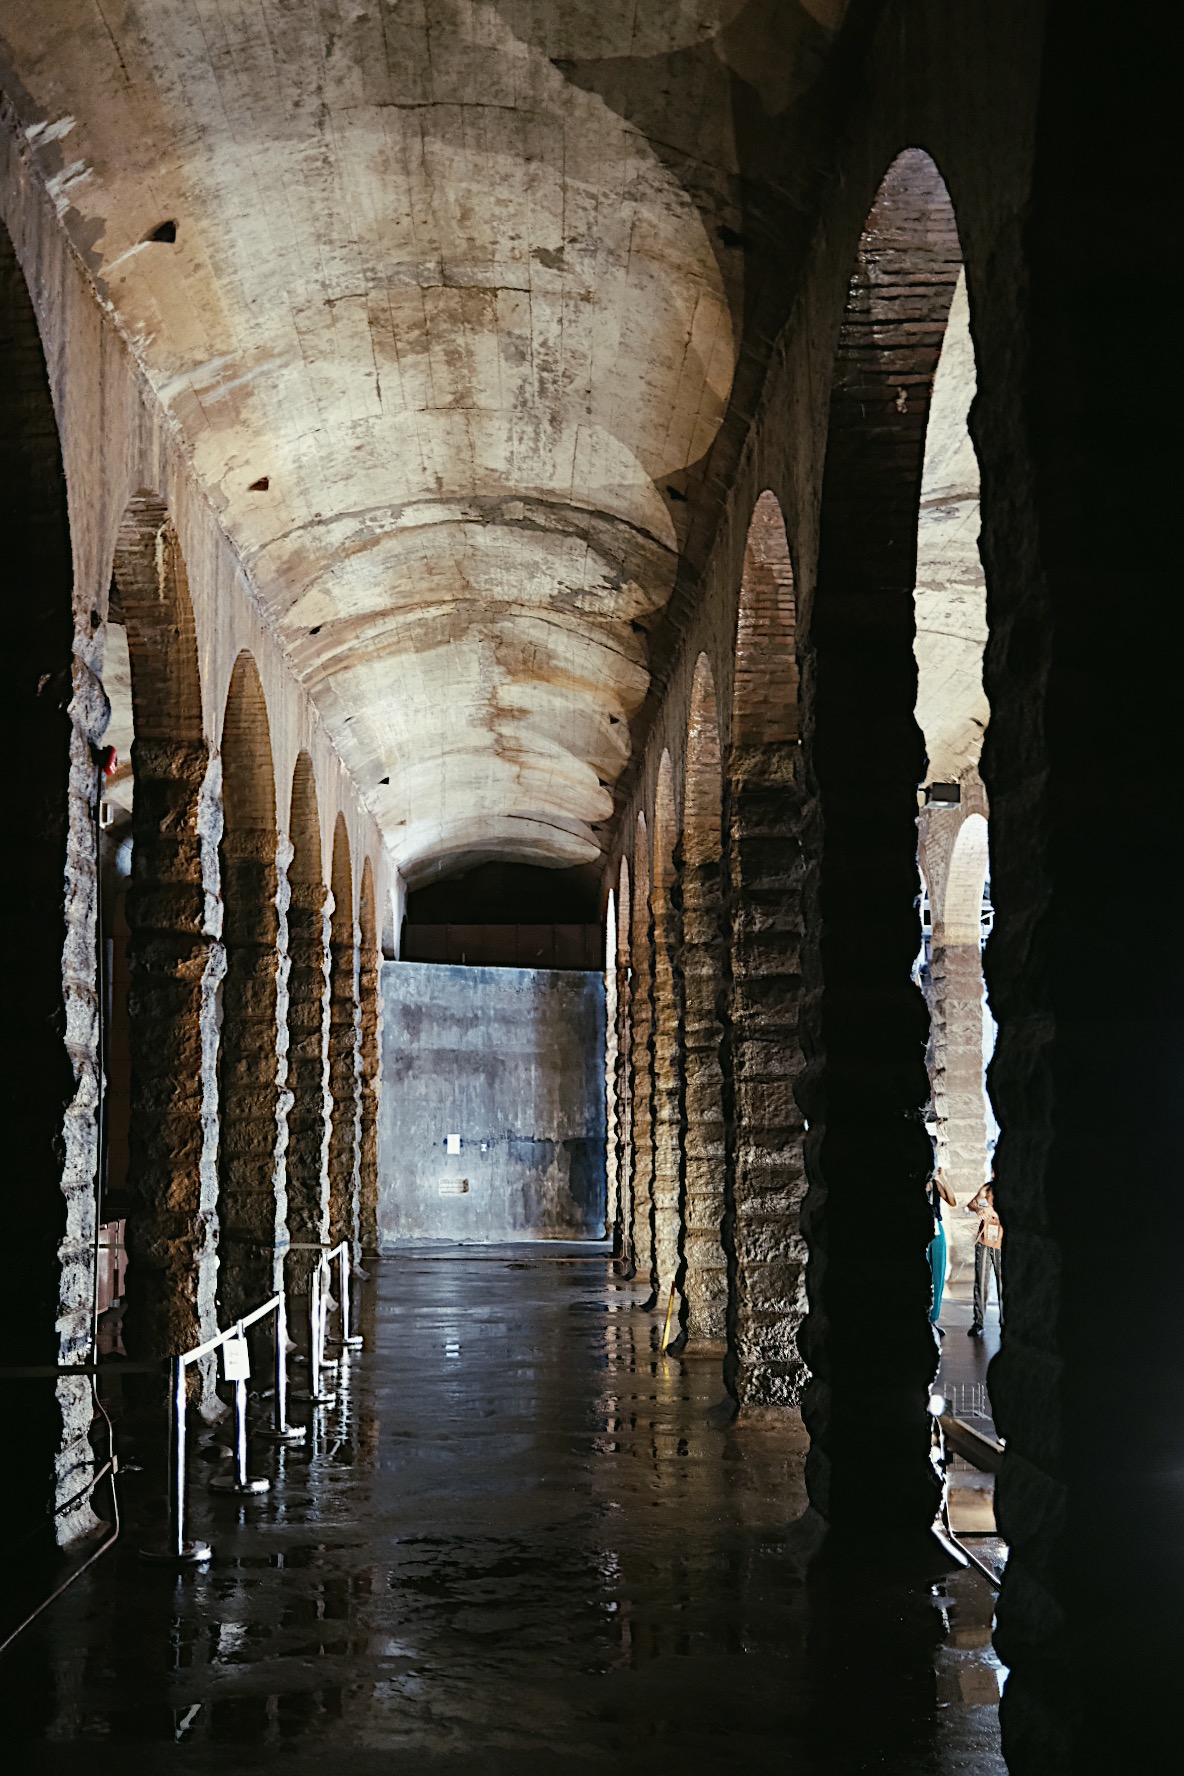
<point x="988" y="1256"/>
<point x="938" y="1192"/>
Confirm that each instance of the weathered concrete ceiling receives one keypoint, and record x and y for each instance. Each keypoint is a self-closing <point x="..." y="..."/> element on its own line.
<point x="464" y="316"/>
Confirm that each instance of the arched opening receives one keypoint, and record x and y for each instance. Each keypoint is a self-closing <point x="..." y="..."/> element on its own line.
<point x="706" y="1276"/>
<point x="250" y="1204"/>
<point x="308" y="1030"/>
<point x="37" y="577"/>
<point x="871" y="1352"/>
<point x="163" y="962"/>
<point x="639" y="1243"/>
<point x="668" y="1057"/>
<point x="765" y="1179"/>
<point x="369" y="963"/>
<point x="343" y="1046"/>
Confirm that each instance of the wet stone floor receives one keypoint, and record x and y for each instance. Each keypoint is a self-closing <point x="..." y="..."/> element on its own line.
<point x="514" y="1545"/>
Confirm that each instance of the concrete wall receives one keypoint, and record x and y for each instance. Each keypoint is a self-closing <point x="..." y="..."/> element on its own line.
<point x="511" y="1060"/>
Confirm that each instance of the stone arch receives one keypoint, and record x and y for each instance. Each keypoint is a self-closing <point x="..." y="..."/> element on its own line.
<point x="308" y="1029"/>
<point x="175" y="958"/>
<point x="961" y="912"/>
<point x="706" y="1276"/>
<point x="252" y="1059"/>
<point x="765" y="1166"/>
<point x="639" y="1242"/>
<point x="369" y="964"/>
<point x="49" y="1289"/>
<point x="867" y="1339"/>
<point x="343" y="1045"/>
<point x="668" y="1056"/>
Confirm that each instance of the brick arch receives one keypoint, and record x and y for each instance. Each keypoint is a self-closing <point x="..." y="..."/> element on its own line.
<point x="343" y="1045"/>
<point x="36" y="577"/>
<point x="153" y="588"/>
<point x="703" y="968"/>
<point x="765" y="1168"/>
<point x="252" y="1058"/>
<point x="248" y="773"/>
<point x="639" y="1233"/>
<point x="304" y="823"/>
<point x="668" y="1056"/>
<point x="765" y="684"/>
<point x="868" y="1346"/>
<point x="175" y="961"/>
<point x="703" y="797"/>
<point x="308" y="1028"/>
<point x="369" y="963"/>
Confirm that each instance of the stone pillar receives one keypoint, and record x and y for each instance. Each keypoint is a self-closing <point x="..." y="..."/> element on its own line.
<point x="249" y="1084"/>
<point x="1080" y="534"/>
<point x="871" y="1350"/>
<point x="669" y="1064"/>
<point x="612" y="1207"/>
<point x="308" y="1061"/>
<point x="641" y="1088"/>
<point x="956" y="1048"/>
<point x="705" y="1285"/>
<point x="172" y="955"/>
<point x="344" y="1083"/>
<point x="370" y="1063"/>
<point x="764" y="1367"/>
<point x="624" y="1098"/>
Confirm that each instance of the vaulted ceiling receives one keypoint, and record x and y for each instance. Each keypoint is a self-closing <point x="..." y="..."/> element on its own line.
<point x="463" y="284"/>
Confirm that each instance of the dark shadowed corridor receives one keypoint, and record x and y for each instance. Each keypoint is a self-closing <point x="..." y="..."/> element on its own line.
<point x="514" y="1545"/>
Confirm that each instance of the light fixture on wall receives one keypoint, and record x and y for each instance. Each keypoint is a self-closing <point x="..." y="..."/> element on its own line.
<point x="943" y="795"/>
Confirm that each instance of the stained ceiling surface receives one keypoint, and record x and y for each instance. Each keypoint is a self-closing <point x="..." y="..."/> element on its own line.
<point x="475" y="327"/>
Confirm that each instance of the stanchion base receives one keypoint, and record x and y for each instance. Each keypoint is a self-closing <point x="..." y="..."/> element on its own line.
<point x="317" y="1399"/>
<point x="232" y="1483"/>
<point x="354" y="1342"/>
<point x="289" y="1434"/>
<point x="190" y="1554"/>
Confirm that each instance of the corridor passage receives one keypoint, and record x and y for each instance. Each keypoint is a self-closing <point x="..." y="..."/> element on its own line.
<point x="515" y="1545"/>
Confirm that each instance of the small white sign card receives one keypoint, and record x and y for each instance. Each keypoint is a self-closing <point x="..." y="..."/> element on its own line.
<point x="452" y="1143"/>
<point x="236" y="1360"/>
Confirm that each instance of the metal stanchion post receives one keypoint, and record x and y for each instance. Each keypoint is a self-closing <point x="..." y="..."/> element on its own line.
<point x="283" y="1431"/>
<point x="177" y="1551"/>
<point x="240" y="1481"/>
<point x="349" y="1341"/>
<point x="317" y="1394"/>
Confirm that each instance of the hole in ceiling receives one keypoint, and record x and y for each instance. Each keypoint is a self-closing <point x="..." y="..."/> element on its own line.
<point x="383" y="780"/>
<point x="676" y="495"/>
<point x="315" y="631"/>
<point x="164" y="231"/>
<point x="260" y="486"/>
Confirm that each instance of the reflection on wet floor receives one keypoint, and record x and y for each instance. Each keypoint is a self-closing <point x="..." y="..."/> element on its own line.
<point x="515" y="1545"/>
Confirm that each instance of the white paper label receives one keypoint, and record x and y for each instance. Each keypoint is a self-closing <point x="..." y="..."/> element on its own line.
<point x="452" y="1143"/>
<point x="236" y="1360"/>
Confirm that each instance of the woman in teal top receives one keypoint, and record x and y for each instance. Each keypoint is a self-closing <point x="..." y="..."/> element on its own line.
<point x="938" y="1192"/>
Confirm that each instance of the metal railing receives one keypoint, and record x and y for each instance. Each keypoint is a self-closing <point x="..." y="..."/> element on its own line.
<point x="178" y="1549"/>
<point x="318" y="1321"/>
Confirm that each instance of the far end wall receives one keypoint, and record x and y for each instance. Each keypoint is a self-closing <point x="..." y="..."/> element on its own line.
<point x="511" y="1060"/>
